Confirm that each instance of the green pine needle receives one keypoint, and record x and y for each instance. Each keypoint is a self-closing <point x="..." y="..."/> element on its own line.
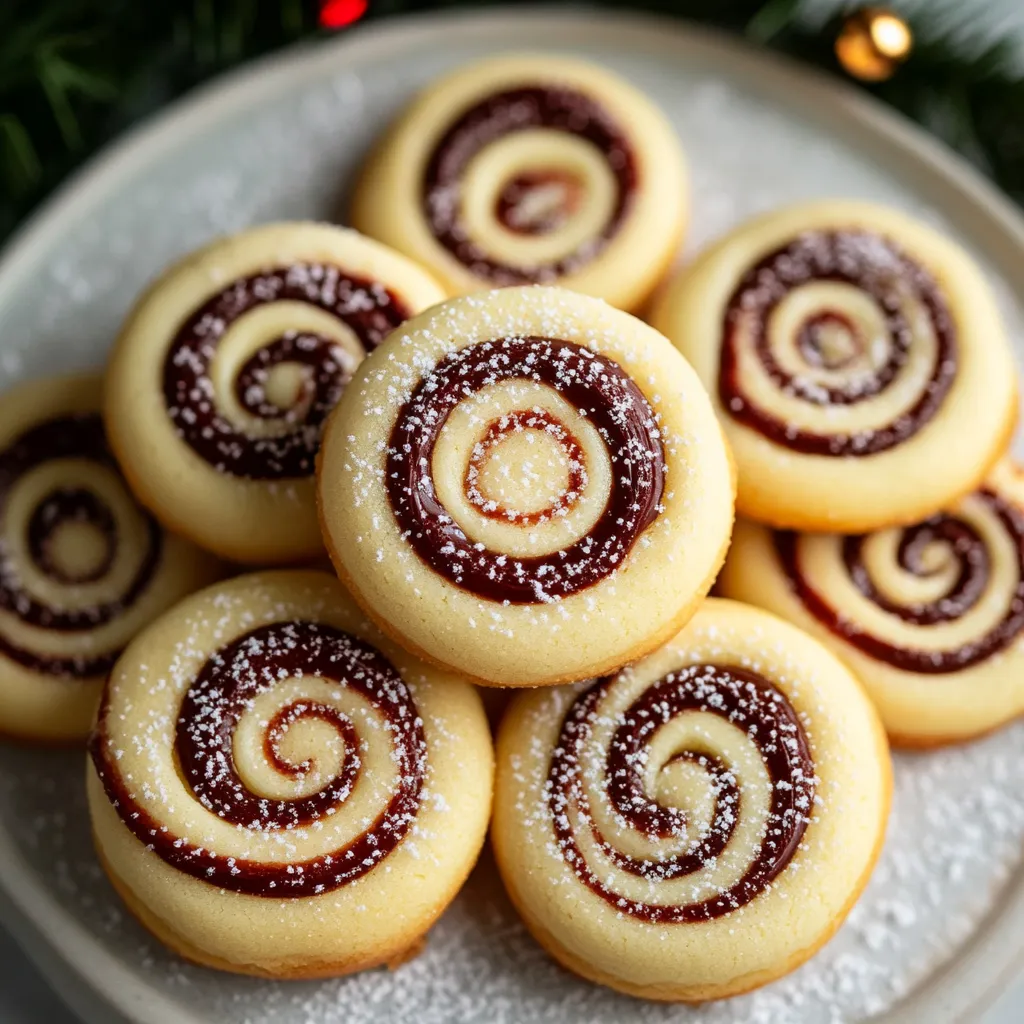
<point x="21" y="162"/>
<point x="771" y="19"/>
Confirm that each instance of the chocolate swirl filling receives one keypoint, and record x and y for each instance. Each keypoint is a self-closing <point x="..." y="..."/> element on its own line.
<point x="875" y="266"/>
<point x="973" y="558"/>
<point x="746" y="700"/>
<point x="612" y="403"/>
<point x="366" y="307"/>
<point x="222" y="691"/>
<point x="555" y="108"/>
<point x="68" y="437"/>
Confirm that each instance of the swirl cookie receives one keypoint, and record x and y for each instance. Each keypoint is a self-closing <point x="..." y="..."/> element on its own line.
<point x="929" y="616"/>
<point x="701" y="823"/>
<point x="526" y="486"/>
<point x="276" y="790"/>
<point x="227" y="368"/>
<point x="520" y="170"/>
<point x="856" y="359"/>
<point x="82" y="567"/>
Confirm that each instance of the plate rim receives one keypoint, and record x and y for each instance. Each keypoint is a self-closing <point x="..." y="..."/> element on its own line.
<point x="989" y="960"/>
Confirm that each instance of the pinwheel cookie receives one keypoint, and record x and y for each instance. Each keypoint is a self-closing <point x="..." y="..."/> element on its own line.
<point x="524" y="169"/>
<point x="700" y="823"/>
<point x="277" y="790"/>
<point x="929" y="616"/>
<point x="856" y="359"/>
<point x="226" y="369"/>
<point x="527" y="486"/>
<point x="82" y="567"/>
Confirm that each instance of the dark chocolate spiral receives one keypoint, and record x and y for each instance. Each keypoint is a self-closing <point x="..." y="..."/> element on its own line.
<point x="205" y="748"/>
<point x="78" y="438"/>
<point x="554" y="108"/>
<point x="583" y="771"/>
<point x="367" y="308"/>
<point x="612" y="404"/>
<point x="952" y="548"/>
<point x="843" y="362"/>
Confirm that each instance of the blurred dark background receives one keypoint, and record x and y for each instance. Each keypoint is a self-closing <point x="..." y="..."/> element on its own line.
<point x="76" y="73"/>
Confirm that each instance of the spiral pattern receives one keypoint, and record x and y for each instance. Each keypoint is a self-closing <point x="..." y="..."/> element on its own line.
<point x="364" y="703"/>
<point x="500" y="430"/>
<point x="76" y="552"/>
<point x="271" y="433"/>
<point x="937" y="597"/>
<point x="837" y="344"/>
<point x="603" y="401"/>
<point x="559" y="169"/>
<point x="611" y="770"/>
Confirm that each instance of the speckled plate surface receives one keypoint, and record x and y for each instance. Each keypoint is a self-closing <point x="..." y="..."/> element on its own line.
<point x="941" y="926"/>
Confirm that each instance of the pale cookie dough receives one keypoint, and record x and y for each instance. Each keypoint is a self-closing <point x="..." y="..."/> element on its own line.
<point x="227" y="367"/>
<point x="277" y="790"/>
<point x="523" y="169"/>
<point x="701" y="823"/>
<point x="82" y="567"/>
<point x="856" y="359"/>
<point x="929" y="616"/>
<point x="526" y="486"/>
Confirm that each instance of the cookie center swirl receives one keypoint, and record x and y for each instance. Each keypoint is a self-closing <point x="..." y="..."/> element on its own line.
<point x="537" y="202"/>
<point x="974" y="569"/>
<point x="601" y="771"/>
<point x="939" y="543"/>
<point x="288" y="385"/>
<point x="72" y="536"/>
<point x="594" y="385"/>
<point x="837" y="344"/>
<point x="205" y="747"/>
<point x="829" y="340"/>
<point x="59" y="543"/>
<point x="489" y="478"/>
<point x="541" y="197"/>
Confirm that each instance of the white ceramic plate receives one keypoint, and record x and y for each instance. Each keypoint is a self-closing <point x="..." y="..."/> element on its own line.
<point x="941" y="926"/>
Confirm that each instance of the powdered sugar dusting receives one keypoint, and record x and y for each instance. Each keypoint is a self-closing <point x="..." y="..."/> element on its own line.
<point x="193" y="404"/>
<point x="874" y="266"/>
<point x="680" y="846"/>
<point x="600" y="390"/>
<point x="132" y="747"/>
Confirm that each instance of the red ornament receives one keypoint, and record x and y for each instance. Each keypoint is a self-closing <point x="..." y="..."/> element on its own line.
<point x="336" y="14"/>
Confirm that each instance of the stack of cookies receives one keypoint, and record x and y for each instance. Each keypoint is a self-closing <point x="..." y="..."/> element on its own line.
<point x="455" y="465"/>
